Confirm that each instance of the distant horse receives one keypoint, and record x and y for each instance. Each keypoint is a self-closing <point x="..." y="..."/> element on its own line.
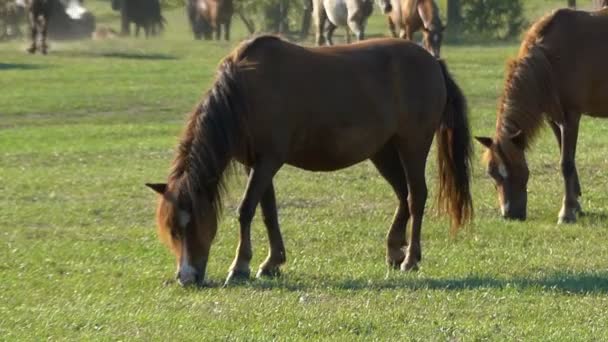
<point x="39" y="12"/>
<point x="207" y="16"/>
<point x="559" y="74"/>
<point x="144" y="14"/>
<point x="352" y="14"/>
<point x="410" y="16"/>
<point x="319" y="109"/>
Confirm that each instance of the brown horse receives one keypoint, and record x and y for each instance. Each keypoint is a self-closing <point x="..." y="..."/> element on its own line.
<point x="411" y="16"/>
<point x="560" y="72"/>
<point x="39" y="12"/>
<point x="276" y="103"/>
<point x="207" y="16"/>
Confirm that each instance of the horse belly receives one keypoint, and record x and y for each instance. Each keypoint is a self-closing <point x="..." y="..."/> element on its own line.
<point x="337" y="12"/>
<point x="330" y="150"/>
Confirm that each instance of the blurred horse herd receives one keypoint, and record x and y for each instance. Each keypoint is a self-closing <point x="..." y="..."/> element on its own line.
<point x="69" y="19"/>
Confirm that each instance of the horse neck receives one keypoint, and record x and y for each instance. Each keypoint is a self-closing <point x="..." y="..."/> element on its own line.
<point x="204" y="156"/>
<point x="517" y="116"/>
<point x="530" y="91"/>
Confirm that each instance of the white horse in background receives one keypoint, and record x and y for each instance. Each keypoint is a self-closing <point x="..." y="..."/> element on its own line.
<point x="352" y="14"/>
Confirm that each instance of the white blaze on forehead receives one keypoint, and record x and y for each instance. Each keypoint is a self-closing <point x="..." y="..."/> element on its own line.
<point x="502" y="170"/>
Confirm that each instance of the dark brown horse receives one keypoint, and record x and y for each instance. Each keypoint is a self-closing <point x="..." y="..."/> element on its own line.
<point x="411" y="16"/>
<point x="207" y="16"/>
<point x="276" y="103"/>
<point x="559" y="74"/>
<point x="39" y="12"/>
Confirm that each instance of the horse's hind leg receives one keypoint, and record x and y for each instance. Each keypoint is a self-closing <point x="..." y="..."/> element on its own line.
<point x="276" y="254"/>
<point x="388" y="163"/>
<point x="260" y="179"/>
<point x="357" y="28"/>
<point x="319" y="17"/>
<point x="414" y="161"/>
<point x="569" y="136"/>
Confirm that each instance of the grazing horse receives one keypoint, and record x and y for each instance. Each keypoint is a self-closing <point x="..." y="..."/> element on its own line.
<point x="207" y="16"/>
<point x="275" y="103"/>
<point x="146" y="14"/>
<point x="351" y="14"/>
<point x="410" y="16"/>
<point x="559" y="74"/>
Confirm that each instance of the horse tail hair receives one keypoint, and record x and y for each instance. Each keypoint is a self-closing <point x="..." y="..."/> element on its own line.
<point x="454" y="156"/>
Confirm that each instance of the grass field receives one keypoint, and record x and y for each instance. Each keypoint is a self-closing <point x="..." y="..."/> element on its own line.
<point x="82" y="130"/>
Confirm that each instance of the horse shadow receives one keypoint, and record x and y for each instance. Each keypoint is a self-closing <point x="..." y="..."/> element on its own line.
<point x="570" y="283"/>
<point x="21" y="66"/>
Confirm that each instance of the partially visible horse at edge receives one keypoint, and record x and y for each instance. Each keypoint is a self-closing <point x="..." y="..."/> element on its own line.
<point x="352" y="14"/>
<point x="207" y="16"/>
<point x="256" y="114"/>
<point x="410" y="16"/>
<point x="559" y="74"/>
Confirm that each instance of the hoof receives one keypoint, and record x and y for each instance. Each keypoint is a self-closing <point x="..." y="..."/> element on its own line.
<point x="395" y="259"/>
<point x="268" y="273"/>
<point x="410" y="264"/>
<point x="567" y="216"/>
<point x="566" y="219"/>
<point x="31" y="50"/>
<point x="237" y="276"/>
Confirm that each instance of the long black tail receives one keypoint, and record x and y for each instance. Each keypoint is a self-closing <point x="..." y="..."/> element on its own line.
<point x="454" y="156"/>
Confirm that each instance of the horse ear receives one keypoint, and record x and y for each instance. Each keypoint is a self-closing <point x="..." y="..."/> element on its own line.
<point x="518" y="138"/>
<point x="485" y="141"/>
<point x="159" y="188"/>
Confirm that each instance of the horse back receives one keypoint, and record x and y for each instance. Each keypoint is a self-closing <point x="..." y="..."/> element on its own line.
<point x="359" y="94"/>
<point x="575" y="44"/>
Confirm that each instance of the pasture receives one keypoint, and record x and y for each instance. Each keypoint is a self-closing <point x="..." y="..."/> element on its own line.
<point x="82" y="130"/>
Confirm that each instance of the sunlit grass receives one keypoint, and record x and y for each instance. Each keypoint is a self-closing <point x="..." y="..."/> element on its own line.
<point x="82" y="130"/>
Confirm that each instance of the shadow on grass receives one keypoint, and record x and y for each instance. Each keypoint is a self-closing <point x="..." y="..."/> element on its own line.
<point x="573" y="283"/>
<point x="21" y="66"/>
<point x="143" y="56"/>
<point x="136" y="56"/>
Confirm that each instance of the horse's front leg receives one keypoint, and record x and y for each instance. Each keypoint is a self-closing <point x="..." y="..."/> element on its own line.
<point x="276" y="254"/>
<point x="558" y="136"/>
<point x="330" y="33"/>
<point x="260" y="178"/>
<point x="569" y="136"/>
<point x="414" y="162"/>
<point x="391" y="27"/>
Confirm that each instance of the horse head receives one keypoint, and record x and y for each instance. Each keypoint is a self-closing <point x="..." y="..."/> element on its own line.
<point x="506" y="165"/>
<point x="187" y="225"/>
<point x="432" y="39"/>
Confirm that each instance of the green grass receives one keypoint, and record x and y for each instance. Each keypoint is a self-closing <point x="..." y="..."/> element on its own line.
<point x="82" y="129"/>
